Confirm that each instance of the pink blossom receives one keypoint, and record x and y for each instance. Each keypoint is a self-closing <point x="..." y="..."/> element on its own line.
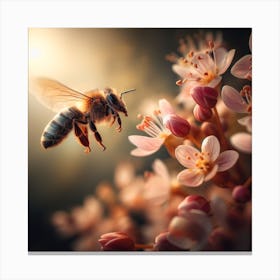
<point x="239" y="102"/>
<point x="242" y="69"/>
<point x="203" y="166"/>
<point x="202" y="69"/>
<point x="163" y="123"/>
<point x="157" y="186"/>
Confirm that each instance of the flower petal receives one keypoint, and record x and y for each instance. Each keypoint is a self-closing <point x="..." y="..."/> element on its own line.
<point x="211" y="145"/>
<point x="141" y="153"/>
<point x="180" y="70"/>
<point x="190" y="177"/>
<point x="233" y="99"/>
<point x="160" y="169"/>
<point x="156" y="189"/>
<point x="247" y="122"/>
<point x="165" y="107"/>
<point x="212" y="173"/>
<point x="215" y="82"/>
<point x="243" y="68"/>
<point x="186" y="155"/>
<point x="223" y="59"/>
<point x="146" y="145"/>
<point x="226" y="160"/>
<point x="242" y="141"/>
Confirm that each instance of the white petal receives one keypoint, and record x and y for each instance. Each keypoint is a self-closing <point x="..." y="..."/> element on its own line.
<point x="165" y="107"/>
<point x="212" y="173"/>
<point x="211" y="145"/>
<point x="226" y="160"/>
<point x="160" y="169"/>
<point x="242" y="141"/>
<point x="142" y="153"/>
<point x="190" y="177"/>
<point x="247" y="122"/>
<point x="233" y="99"/>
<point x="223" y="59"/>
<point x="242" y="69"/>
<point x="186" y="155"/>
<point x="157" y="189"/>
<point x="146" y="143"/>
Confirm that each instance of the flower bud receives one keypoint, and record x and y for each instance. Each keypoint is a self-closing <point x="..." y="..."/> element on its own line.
<point x="194" y="202"/>
<point x="208" y="129"/>
<point x="202" y="114"/>
<point x="162" y="243"/>
<point x="205" y="96"/>
<point x="177" y="125"/>
<point x="241" y="194"/>
<point x="116" y="241"/>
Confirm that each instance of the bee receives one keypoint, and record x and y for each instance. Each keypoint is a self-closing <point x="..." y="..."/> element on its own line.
<point x="77" y="111"/>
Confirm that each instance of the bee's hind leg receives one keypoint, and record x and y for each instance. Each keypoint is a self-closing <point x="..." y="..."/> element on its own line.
<point x="81" y="133"/>
<point x="96" y="134"/>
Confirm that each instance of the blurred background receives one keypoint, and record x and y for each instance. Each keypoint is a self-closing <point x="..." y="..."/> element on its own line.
<point x="84" y="59"/>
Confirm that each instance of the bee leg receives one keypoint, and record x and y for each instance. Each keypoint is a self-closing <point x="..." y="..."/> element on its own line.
<point x="81" y="133"/>
<point x="119" y="122"/>
<point x="114" y="118"/>
<point x="96" y="134"/>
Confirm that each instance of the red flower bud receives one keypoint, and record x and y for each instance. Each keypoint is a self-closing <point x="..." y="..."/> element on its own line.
<point x="177" y="125"/>
<point x="116" y="241"/>
<point x="194" y="202"/>
<point x="205" y="96"/>
<point x="202" y="114"/>
<point x="241" y="194"/>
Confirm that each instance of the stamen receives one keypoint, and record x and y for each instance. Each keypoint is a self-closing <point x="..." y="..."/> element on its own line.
<point x="179" y="83"/>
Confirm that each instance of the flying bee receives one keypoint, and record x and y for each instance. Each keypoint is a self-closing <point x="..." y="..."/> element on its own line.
<point x="77" y="111"/>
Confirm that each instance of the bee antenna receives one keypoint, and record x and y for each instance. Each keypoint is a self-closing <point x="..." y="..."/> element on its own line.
<point x="127" y="91"/>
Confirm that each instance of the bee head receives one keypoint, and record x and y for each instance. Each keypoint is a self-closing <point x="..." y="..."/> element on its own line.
<point x="114" y="101"/>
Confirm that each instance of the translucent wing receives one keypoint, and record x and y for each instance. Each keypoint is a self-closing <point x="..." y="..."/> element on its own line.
<point x="55" y="95"/>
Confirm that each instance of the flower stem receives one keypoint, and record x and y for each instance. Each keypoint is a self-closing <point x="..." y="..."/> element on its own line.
<point x="193" y="140"/>
<point x="220" y="129"/>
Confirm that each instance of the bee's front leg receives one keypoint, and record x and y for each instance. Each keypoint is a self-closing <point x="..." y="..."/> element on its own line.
<point x="96" y="134"/>
<point x="119" y="122"/>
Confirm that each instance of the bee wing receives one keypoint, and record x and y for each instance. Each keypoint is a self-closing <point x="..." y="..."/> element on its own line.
<point x="55" y="95"/>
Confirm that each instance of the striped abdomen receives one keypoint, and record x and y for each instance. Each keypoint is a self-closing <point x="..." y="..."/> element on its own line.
<point x="59" y="127"/>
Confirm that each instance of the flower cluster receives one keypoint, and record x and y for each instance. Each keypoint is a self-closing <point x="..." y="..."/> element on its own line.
<point x="199" y="199"/>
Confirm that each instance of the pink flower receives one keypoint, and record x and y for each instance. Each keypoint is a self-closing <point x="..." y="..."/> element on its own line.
<point x="158" y="184"/>
<point x="203" y="166"/>
<point x="164" y="123"/>
<point x="202" y="69"/>
<point x="242" y="69"/>
<point x="239" y="102"/>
